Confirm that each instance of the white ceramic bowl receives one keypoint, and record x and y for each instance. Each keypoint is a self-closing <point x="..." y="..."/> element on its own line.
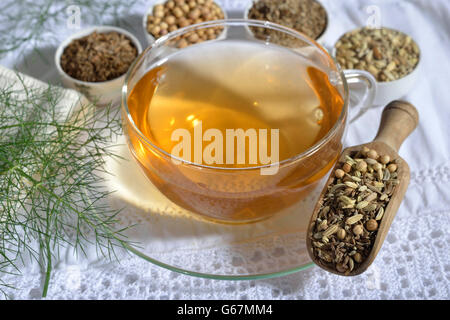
<point x="101" y="93"/>
<point x="394" y="90"/>
<point x="397" y="89"/>
<point x="319" y="40"/>
<point x="151" y="39"/>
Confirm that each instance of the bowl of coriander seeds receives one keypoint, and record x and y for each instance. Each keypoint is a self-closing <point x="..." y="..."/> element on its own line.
<point x="306" y="16"/>
<point x="391" y="56"/>
<point x="166" y="16"/>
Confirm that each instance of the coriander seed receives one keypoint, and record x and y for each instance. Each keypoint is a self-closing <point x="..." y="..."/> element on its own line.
<point x="193" y="37"/>
<point x="385" y="159"/>
<point x="164" y="26"/>
<point x="377" y="166"/>
<point x="372" y="154"/>
<point x="339" y="173"/>
<point x="365" y="151"/>
<point x="159" y="14"/>
<point x="156" y="29"/>
<point x="358" y="230"/>
<point x="185" y="8"/>
<point x="178" y="12"/>
<point x="392" y="168"/>
<point x="183" y="23"/>
<point x="341" y="268"/>
<point x="372" y="225"/>
<point x="361" y="166"/>
<point x="170" y="20"/>
<point x="346" y="167"/>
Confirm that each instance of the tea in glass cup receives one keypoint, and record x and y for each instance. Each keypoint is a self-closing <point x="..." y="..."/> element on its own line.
<point x="235" y="129"/>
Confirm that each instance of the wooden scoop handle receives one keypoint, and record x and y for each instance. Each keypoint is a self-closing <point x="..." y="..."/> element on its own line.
<point x="398" y="121"/>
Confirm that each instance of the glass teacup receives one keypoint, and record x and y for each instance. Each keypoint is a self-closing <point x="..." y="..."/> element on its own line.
<point x="242" y="193"/>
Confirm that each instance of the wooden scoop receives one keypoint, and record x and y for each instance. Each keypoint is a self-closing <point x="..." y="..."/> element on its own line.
<point x="398" y="121"/>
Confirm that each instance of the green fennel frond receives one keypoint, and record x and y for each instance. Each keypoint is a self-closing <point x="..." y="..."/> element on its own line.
<point x="52" y="178"/>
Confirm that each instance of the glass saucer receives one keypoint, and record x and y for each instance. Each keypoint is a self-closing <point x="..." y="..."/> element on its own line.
<point x="173" y="238"/>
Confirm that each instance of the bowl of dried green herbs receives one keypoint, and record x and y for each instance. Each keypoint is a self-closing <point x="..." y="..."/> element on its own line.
<point x="95" y="61"/>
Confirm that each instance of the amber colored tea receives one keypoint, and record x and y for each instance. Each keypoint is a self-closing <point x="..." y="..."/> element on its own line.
<point x="230" y="85"/>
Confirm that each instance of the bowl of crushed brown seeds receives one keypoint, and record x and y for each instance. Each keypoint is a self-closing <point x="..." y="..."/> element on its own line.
<point x="94" y="61"/>
<point x="306" y="16"/>
<point x="391" y="56"/>
<point x="166" y="16"/>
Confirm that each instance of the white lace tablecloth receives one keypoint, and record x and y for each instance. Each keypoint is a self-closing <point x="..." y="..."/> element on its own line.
<point x="414" y="263"/>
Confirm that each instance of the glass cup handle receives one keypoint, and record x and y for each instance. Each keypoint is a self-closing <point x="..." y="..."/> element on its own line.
<point x="362" y="77"/>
